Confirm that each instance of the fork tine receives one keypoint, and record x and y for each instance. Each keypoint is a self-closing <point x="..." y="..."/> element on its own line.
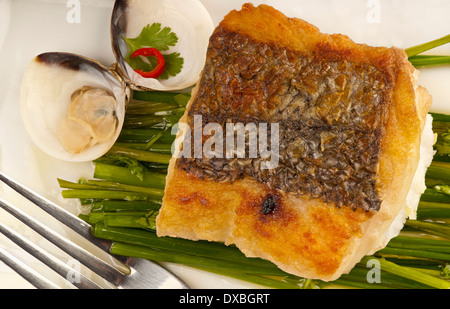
<point x="70" y="220"/>
<point x="25" y="271"/>
<point x="86" y="258"/>
<point x="108" y="272"/>
<point x="62" y="215"/>
<point x="59" y="267"/>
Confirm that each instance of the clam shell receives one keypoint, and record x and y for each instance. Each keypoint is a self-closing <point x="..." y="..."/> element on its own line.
<point x="45" y="97"/>
<point x="188" y="19"/>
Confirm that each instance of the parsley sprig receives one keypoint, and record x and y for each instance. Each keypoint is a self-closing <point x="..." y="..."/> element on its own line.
<point x="160" y="38"/>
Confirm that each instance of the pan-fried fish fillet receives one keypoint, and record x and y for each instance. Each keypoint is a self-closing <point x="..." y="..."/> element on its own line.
<point x="350" y="121"/>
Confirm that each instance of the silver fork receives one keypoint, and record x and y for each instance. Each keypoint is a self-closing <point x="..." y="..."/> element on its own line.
<point x="116" y="272"/>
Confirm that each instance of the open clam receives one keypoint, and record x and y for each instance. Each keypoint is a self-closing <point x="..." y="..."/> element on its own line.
<point x="189" y="19"/>
<point x="74" y="107"/>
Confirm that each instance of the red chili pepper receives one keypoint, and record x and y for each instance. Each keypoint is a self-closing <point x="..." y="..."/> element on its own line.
<point x="150" y="52"/>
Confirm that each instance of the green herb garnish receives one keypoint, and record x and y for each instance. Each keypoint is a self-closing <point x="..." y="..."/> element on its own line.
<point x="156" y="37"/>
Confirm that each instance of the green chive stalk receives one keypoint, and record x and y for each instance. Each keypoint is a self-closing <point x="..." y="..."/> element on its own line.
<point x="149" y="108"/>
<point x="153" y="147"/>
<point x="435" y="228"/>
<point x="162" y="97"/>
<point x="428" y="60"/>
<point x="140" y="155"/>
<point x="418" y="49"/>
<point x="120" y="205"/>
<point x="144" y="135"/>
<point x="122" y="175"/>
<point x="428" y="210"/>
<point x="412" y="274"/>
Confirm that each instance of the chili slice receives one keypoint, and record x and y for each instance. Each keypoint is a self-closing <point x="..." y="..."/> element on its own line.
<point x="150" y="52"/>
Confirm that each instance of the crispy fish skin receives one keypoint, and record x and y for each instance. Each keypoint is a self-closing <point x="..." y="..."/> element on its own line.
<point x="302" y="234"/>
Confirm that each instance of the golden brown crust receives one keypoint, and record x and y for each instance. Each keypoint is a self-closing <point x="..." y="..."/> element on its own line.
<point x="301" y="234"/>
<point x="304" y="236"/>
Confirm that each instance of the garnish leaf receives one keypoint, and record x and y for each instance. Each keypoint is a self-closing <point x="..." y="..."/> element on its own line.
<point x="174" y="64"/>
<point x="153" y="36"/>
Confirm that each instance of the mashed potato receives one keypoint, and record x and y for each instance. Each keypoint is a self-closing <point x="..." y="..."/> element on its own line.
<point x="409" y="210"/>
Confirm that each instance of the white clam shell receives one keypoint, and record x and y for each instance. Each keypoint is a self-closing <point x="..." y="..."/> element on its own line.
<point x="47" y="87"/>
<point x="188" y="19"/>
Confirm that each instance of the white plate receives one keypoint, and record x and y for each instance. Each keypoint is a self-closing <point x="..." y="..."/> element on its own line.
<point x="30" y="27"/>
